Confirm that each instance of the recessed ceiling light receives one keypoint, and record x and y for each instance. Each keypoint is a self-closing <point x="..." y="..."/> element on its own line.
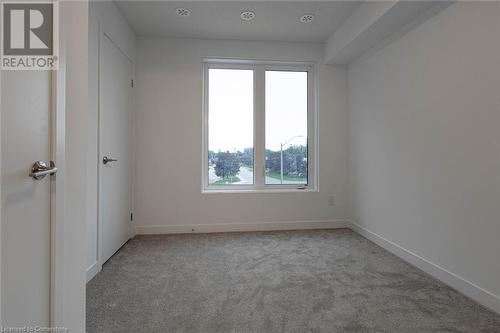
<point x="182" y="12"/>
<point x="307" y="18"/>
<point x="247" y="15"/>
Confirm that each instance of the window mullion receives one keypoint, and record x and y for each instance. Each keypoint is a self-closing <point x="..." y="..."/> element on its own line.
<point x="259" y="126"/>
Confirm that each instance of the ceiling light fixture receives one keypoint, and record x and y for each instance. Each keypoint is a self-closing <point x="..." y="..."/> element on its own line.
<point x="247" y="15"/>
<point x="307" y="18"/>
<point x="182" y="12"/>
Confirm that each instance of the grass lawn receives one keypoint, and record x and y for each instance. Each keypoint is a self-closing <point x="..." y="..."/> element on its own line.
<point x="230" y="180"/>
<point x="277" y="175"/>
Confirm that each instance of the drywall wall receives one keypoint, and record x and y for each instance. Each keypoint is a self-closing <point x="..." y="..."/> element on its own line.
<point x="70" y="290"/>
<point x="425" y="146"/>
<point x="104" y="17"/>
<point x="168" y="142"/>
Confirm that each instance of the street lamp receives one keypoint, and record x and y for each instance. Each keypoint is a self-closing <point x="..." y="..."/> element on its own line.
<point x="281" y="153"/>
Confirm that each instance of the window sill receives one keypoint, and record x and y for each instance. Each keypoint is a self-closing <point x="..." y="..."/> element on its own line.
<point x="270" y="190"/>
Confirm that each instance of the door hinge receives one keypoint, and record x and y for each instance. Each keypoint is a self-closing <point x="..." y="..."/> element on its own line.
<point x="131" y="216"/>
<point x="132" y="83"/>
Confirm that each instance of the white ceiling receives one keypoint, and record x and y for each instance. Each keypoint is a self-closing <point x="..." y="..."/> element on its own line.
<point x="274" y="21"/>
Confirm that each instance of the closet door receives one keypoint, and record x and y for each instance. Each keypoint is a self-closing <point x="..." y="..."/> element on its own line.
<point x="114" y="148"/>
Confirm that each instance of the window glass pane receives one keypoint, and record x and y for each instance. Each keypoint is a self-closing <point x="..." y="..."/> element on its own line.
<point x="286" y="127"/>
<point x="230" y="131"/>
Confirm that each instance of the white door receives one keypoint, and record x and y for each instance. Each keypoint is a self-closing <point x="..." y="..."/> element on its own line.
<point x="26" y="202"/>
<point x="114" y="148"/>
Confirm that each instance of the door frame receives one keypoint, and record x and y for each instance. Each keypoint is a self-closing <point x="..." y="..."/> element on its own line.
<point x="103" y="34"/>
<point x="57" y="189"/>
<point x="69" y="108"/>
<point x="1" y="200"/>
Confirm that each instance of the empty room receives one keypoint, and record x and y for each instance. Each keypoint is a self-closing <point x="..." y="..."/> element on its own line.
<point x="250" y="166"/>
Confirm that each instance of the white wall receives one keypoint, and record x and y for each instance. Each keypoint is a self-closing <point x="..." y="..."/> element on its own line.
<point x="425" y="145"/>
<point x="104" y="17"/>
<point x="72" y="286"/>
<point x="169" y="141"/>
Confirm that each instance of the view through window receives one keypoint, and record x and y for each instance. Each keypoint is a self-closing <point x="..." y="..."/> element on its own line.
<point x="230" y="152"/>
<point x="286" y="127"/>
<point x="266" y="107"/>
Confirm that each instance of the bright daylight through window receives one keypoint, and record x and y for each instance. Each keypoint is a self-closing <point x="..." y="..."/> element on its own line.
<point x="258" y="124"/>
<point x="286" y="127"/>
<point x="230" y="149"/>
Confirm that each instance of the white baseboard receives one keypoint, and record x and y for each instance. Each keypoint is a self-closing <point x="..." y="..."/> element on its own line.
<point x="480" y="295"/>
<point x="92" y="270"/>
<point x="235" y="227"/>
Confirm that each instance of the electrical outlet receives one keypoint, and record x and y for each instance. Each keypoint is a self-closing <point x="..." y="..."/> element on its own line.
<point x="331" y="201"/>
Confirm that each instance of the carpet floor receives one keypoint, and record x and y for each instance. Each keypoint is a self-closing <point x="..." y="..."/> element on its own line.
<point x="291" y="281"/>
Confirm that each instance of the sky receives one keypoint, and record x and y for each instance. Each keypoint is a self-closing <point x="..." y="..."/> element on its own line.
<point x="231" y="109"/>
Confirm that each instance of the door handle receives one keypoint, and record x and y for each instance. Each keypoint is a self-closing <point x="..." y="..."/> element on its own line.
<point x="106" y="160"/>
<point x="40" y="169"/>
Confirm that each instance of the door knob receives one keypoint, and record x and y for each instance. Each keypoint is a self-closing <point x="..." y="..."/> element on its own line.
<point x="106" y="160"/>
<point x="40" y="169"/>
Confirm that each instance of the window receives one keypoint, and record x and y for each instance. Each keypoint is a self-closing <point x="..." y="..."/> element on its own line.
<point x="230" y="123"/>
<point x="286" y="127"/>
<point x="259" y="124"/>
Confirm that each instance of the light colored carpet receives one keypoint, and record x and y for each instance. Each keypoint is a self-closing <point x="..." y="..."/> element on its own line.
<point x="293" y="281"/>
